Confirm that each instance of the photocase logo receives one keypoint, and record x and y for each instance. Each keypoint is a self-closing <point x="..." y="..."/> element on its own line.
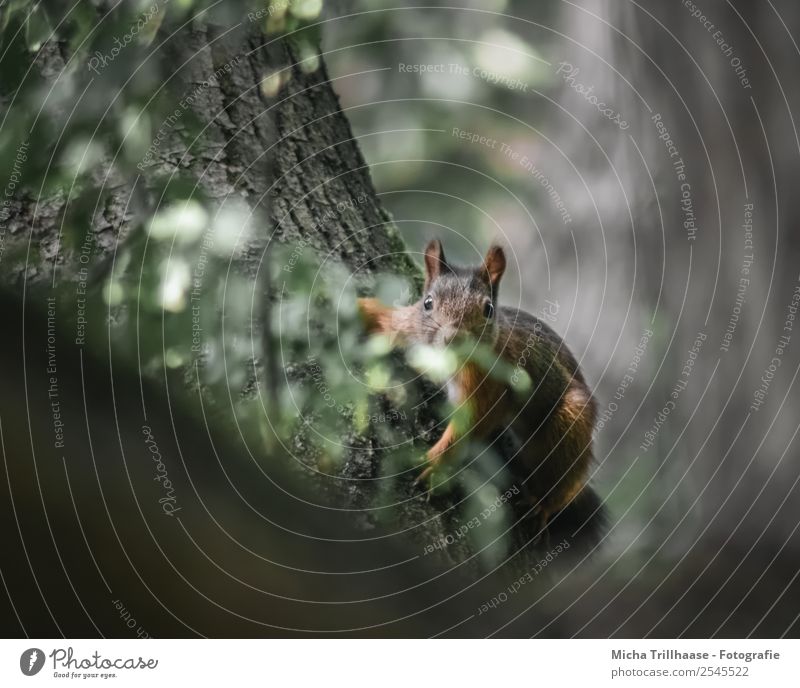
<point x="31" y="661"/>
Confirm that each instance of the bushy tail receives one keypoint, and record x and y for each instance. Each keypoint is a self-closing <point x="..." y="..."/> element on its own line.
<point x="582" y="523"/>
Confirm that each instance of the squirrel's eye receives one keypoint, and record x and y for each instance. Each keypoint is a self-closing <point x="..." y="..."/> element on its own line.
<point x="488" y="310"/>
<point x="427" y="304"/>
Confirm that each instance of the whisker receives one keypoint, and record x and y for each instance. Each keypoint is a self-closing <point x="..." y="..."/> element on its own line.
<point x="438" y="324"/>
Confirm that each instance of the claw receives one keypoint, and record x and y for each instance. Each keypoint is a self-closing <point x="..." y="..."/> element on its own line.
<point x="427" y="473"/>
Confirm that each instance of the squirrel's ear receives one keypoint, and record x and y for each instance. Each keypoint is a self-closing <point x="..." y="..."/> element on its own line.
<point x="435" y="262"/>
<point x="495" y="265"/>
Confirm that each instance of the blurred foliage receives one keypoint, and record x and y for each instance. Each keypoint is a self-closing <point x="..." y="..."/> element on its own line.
<point x="340" y="388"/>
<point x="169" y="290"/>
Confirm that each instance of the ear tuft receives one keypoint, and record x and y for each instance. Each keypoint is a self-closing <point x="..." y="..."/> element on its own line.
<point x="495" y="265"/>
<point x="435" y="262"/>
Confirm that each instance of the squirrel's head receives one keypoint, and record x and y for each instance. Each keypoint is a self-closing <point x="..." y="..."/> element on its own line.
<point x="460" y="301"/>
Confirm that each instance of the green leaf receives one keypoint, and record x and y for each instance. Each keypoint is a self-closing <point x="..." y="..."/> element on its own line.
<point x="306" y="9"/>
<point x="437" y="363"/>
<point x="37" y="29"/>
<point x="183" y="221"/>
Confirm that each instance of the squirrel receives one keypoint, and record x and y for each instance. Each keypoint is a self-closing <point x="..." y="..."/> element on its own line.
<point x="553" y="422"/>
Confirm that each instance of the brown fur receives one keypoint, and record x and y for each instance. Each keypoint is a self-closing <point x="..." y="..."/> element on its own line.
<point x="554" y="421"/>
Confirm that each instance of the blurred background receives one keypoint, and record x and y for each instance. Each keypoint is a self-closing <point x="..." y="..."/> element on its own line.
<point x="668" y="133"/>
<point x="637" y="160"/>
